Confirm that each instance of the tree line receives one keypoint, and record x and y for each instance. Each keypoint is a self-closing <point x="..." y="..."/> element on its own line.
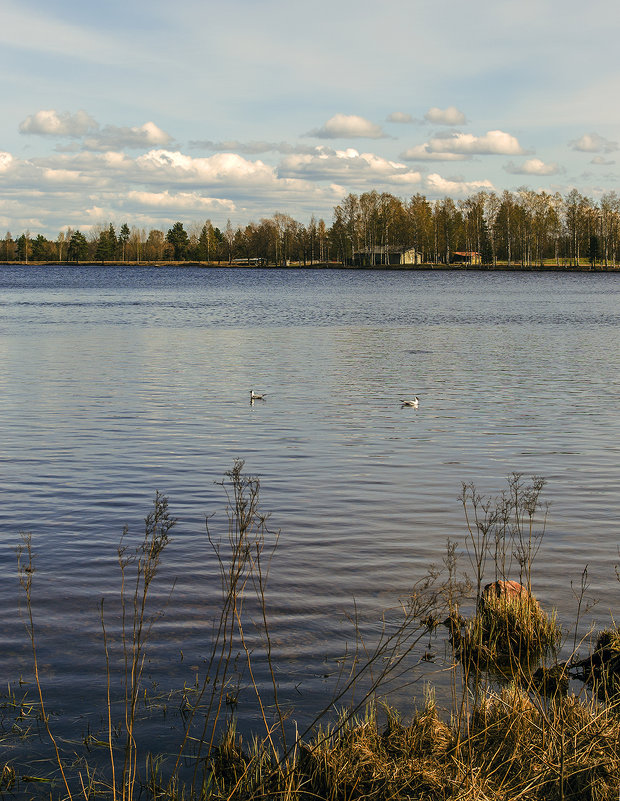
<point x="520" y="228"/>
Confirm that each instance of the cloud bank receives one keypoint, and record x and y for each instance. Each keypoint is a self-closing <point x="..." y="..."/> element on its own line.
<point x="460" y="146"/>
<point x="95" y="172"/>
<point x="250" y="148"/>
<point x="49" y="122"/>
<point x="52" y="123"/>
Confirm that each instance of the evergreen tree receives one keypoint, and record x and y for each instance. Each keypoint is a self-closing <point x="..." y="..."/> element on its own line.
<point x="39" y="248"/>
<point x="78" y="247"/>
<point x="113" y="241"/>
<point x="123" y="238"/>
<point x="178" y="238"/>
<point x="23" y="247"/>
<point x="106" y="245"/>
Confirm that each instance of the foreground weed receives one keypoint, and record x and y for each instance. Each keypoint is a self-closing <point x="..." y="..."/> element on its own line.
<point x="25" y="569"/>
<point x="136" y="627"/>
<point x="8" y="776"/>
<point x="509" y="631"/>
<point x="243" y="557"/>
<point x="601" y="669"/>
<point x="496" y="745"/>
<point x="508" y="636"/>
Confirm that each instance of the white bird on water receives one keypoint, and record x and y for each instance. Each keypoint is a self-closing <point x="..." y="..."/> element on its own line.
<point x="255" y="396"/>
<point x="412" y="403"/>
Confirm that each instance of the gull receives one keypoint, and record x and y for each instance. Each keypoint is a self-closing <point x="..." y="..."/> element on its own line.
<point x="254" y="396"/>
<point x="412" y="403"/>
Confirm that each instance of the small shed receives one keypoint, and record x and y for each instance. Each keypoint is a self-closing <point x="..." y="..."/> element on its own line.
<point x="410" y="256"/>
<point x="387" y="256"/>
<point x="466" y="257"/>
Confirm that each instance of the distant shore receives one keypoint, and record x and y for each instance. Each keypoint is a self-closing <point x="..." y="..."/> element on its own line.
<point x="499" y="267"/>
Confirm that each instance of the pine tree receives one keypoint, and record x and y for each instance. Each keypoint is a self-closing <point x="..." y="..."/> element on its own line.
<point x="106" y="245"/>
<point x="178" y="238"/>
<point x="78" y="247"/>
<point x="123" y="238"/>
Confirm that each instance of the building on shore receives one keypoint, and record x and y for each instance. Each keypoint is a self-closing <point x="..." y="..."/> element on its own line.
<point x="466" y="257"/>
<point x="386" y="256"/>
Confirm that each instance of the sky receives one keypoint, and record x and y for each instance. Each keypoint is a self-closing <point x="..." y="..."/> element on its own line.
<point x="153" y="112"/>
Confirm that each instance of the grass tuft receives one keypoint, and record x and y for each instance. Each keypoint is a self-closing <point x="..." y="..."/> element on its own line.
<point x="509" y="748"/>
<point x="507" y="634"/>
<point x="8" y="777"/>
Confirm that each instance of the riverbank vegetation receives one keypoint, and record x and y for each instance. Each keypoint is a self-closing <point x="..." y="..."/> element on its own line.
<point x="521" y="229"/>
<point x="520" y="723"/>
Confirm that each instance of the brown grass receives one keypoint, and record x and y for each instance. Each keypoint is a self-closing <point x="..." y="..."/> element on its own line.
<point x="601" y="670"/>
<point x="530" y="741"/>
<point x="510" y="748"/>
<point x="507" y="636"/>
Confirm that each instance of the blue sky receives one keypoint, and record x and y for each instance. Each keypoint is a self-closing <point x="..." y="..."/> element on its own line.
<point x="152" y="112"/>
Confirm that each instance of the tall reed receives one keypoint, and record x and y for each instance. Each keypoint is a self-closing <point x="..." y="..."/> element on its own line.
<point x="136" y="628"/>
<point x="510" y="733"/>
<point x="25" y="570"/>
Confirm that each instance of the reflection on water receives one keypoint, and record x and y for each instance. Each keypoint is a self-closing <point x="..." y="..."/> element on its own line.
<point x="116" y="383"/>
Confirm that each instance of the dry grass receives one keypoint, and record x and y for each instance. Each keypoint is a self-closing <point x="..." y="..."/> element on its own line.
<point x="7" y="776"/>
<point x="509" y="748"/>
<point x="570" y="750"/>
<point x="601" y="670"/>
<point x="507" y="635"/>
<point x="530" y="741"/>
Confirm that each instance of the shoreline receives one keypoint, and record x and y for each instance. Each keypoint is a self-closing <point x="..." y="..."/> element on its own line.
<point x="546" y="268"/>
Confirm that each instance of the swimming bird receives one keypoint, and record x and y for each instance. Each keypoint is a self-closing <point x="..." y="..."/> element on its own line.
<point x="254" y="396"/>
<point x="412" y="403"/>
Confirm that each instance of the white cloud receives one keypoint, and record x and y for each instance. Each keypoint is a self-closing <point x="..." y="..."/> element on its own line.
<point x="49" y="122"/>
<point x="409" y="178"/>
<point x="348" y="126"/>
<point x="220" y="168"/>
<point x="492" y="143"/>
<point x="171" y="170"/>
<point x="533" y="167"/>
<point x="250" y="148"/>
<point x="424" y="153"/>
<point x="154" y="188"/>
<point x="446" y="116"/>
<point x="182" y="201"/>
<point x="102" y="166"/>
<point x="593" y="143"/>
<point x="96" y="213"/>
<point x="60" y="176"/>
<point x="6" y="160"/>
<point x="400" y="117"/>
<point x="460" y="146"/>
<point x="444" y="186"/>
<point x="112" y="137"/>
<point x="81" y="125"/>
<point x="602" y="161"/>
<point x="345" y="165"/>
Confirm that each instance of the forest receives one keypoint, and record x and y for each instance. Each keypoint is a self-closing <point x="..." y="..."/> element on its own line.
<point x="523" y="228"/>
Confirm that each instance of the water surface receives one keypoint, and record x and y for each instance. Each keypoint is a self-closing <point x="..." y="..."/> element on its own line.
<point x="115" y="383"/>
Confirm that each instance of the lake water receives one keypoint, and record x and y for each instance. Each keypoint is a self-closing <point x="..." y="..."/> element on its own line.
<point x="115" y="383"/>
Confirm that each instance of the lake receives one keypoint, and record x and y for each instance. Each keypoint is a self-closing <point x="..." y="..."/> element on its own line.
<point x="117" y="382"/>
